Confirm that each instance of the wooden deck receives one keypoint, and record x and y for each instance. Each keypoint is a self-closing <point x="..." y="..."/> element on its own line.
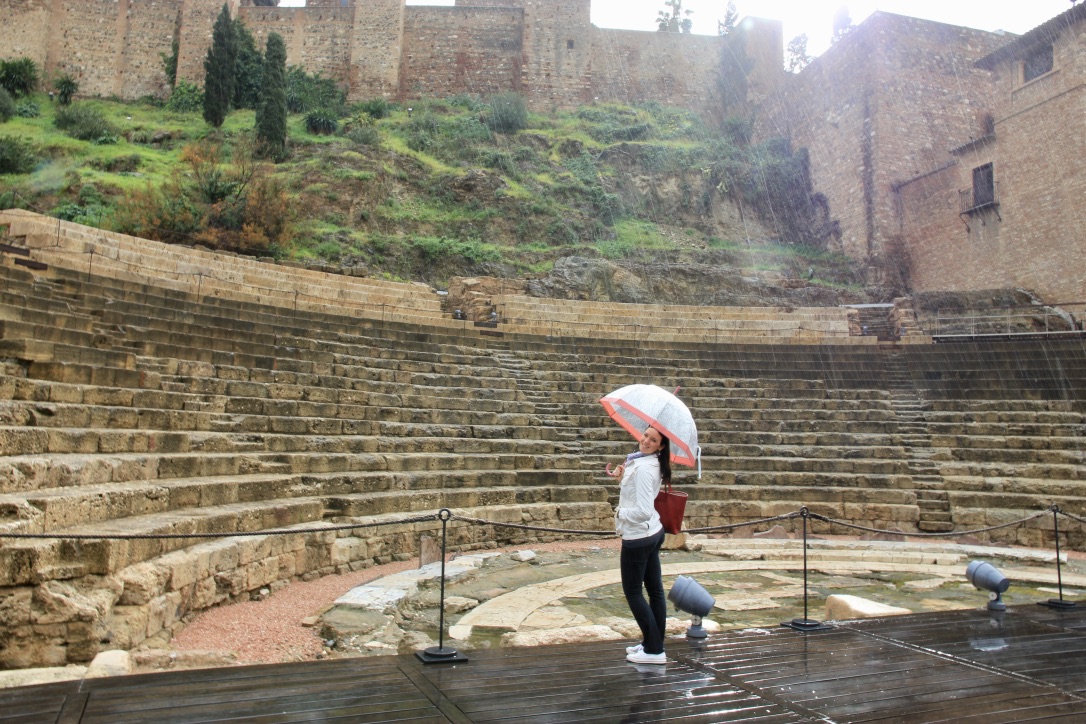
<point x="1027" y="665"/>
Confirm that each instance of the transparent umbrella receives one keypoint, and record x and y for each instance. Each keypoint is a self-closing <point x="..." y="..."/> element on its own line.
<point x="638" y="407"/>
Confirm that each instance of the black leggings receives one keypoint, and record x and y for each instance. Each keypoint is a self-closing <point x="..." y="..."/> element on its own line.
<point x="639" y="564"/>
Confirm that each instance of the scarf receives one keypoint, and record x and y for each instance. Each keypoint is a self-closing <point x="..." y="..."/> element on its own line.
<point x="634" y="456"/>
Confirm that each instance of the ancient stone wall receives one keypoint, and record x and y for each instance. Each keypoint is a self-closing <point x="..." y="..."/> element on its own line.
<point x="111" y="47"/>
<point x="629" y="66"/>
<point x="24" y="30"/>
<point x="197" y="22"/>
<point x="462" y="50"/>
<point x="319" y="39"/>
<point x="377" y="39"/>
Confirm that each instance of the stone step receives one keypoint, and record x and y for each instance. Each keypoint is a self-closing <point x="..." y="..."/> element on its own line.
<point x="935" y="526"/>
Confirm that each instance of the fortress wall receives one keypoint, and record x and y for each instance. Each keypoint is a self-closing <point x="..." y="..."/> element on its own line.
<point x="629" y="66"/>
<point x="318" y="39"/>
<point x="557" y="54"/>
<point x="151" y="26"/>
<point x="90" y="50"/>
<point x="377" y="43"/>
<point x="25" y="29"/>
<point x="197" y="23"/>
<point x="461" y="50"/>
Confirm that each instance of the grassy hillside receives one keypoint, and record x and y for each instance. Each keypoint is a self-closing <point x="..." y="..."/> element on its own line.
<point x="429" y="191"/>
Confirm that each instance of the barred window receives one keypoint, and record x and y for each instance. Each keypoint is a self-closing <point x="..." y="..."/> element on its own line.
<point x="1037" y="63"/>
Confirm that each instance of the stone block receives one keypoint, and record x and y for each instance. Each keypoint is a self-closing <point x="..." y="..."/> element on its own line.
<point x="110" y="663"/>
<point x="841" y="607"/>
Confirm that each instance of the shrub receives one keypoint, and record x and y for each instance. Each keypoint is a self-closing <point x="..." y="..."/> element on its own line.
<point x="321" y="122"/>
<point x="86" y="124"/>
<point x="7" y="106"/>
<point x="66" y="87"/>
<point x="375" y="108"/>
<point x="508" y="113"/>
<point x="306" y="92"/>
<point x="19" y="76"/>
<point x="28" y="109"/>
<point x="16" y="155"/>
<point x="362" y="131"/>
<point x="186" y="98"/>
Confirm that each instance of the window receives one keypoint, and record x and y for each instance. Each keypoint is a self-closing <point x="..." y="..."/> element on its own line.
<point x="983" y="185"/>
<point x="569" y="45"/>
<point x="1037" y="63"/>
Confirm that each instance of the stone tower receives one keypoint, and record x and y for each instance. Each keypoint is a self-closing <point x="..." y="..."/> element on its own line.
<point x="557" y="48"/>
<point x="376" y="48"/>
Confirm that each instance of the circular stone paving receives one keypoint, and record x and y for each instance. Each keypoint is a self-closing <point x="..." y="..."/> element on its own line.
<point x="524" y="597"/>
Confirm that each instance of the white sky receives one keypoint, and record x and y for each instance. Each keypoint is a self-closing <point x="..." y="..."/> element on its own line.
<point x="815" y="17"/>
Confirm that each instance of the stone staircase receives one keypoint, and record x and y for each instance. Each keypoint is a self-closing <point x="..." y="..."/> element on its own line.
<point x="910" y="409"/>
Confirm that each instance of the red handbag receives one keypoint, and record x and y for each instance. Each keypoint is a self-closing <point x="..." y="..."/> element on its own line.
<point x="671" y="505"/>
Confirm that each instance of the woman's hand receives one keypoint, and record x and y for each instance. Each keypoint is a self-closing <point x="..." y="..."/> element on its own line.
<point x="617" y="471"/>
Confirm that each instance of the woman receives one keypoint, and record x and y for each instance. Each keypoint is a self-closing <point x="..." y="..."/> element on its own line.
<point x="637" y="521"/>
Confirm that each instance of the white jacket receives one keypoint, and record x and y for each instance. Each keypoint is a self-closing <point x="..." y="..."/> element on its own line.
<point x="635" y="516"/>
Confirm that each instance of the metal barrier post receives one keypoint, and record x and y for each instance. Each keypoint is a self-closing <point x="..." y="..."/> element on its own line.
<point x="1057" y="603"/>
<point x="440" y="654"/>
<point x="805" y="623"/>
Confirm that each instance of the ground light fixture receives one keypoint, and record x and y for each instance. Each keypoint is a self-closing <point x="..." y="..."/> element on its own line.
<point x="985" y="577"/>
<point x="689" y="597"/>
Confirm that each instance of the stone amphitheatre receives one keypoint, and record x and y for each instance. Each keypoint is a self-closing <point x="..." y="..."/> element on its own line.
<point x="151" y="392"/>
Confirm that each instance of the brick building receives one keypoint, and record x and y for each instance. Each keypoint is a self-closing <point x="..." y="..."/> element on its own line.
<point x="956" y="150"/>
<point x="1007" y="207"/>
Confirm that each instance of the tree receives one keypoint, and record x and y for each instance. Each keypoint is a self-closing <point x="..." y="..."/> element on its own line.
<point x="674" y="22"/>
<point x="248" y="67"/>
<point x="797" y="58"/>
<point x="727" y="25"/>
<point x="219" y="70"/>
<point x="271" y="114"/>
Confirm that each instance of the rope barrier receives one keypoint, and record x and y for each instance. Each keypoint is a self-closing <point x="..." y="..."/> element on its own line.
<point x="948" y="534"/>
<point x="803" y="512"/>
<point x="521" y="526"/>
<point x="1071" y="516"/>
<point x="733" y="526"/>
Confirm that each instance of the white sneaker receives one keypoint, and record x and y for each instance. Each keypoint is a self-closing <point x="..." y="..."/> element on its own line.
<point x="641" y="657"/>
<point x="635" y="649"/>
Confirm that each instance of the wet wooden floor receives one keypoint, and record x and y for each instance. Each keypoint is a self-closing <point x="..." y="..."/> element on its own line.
<point x="1028" y="664"/>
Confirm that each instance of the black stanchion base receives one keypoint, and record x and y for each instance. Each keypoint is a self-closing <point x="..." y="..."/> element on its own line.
<point x="440" y="655"/>
<point x="806" y="624"/>
<point x="1058" y="603"/>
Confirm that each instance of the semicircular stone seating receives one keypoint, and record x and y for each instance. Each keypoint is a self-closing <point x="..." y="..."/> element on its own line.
<point x="147" y="390"/>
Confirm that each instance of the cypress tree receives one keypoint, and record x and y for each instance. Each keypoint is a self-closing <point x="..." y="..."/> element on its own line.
<point x="219" y="70"/>
<point x="271" y="114"/>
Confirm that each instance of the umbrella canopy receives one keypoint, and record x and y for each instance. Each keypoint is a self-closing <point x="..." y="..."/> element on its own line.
<point x="638" y="407"/>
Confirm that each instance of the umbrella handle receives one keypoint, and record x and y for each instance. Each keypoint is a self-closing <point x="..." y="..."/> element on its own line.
<point x="614" y="474"/>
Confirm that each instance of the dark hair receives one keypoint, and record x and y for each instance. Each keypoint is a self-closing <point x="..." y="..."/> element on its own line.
<point x="664" y="456"/>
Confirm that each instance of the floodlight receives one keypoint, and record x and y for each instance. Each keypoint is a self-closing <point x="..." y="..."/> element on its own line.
<point x="689" y="597"/>
<point x="985" y="576"/>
